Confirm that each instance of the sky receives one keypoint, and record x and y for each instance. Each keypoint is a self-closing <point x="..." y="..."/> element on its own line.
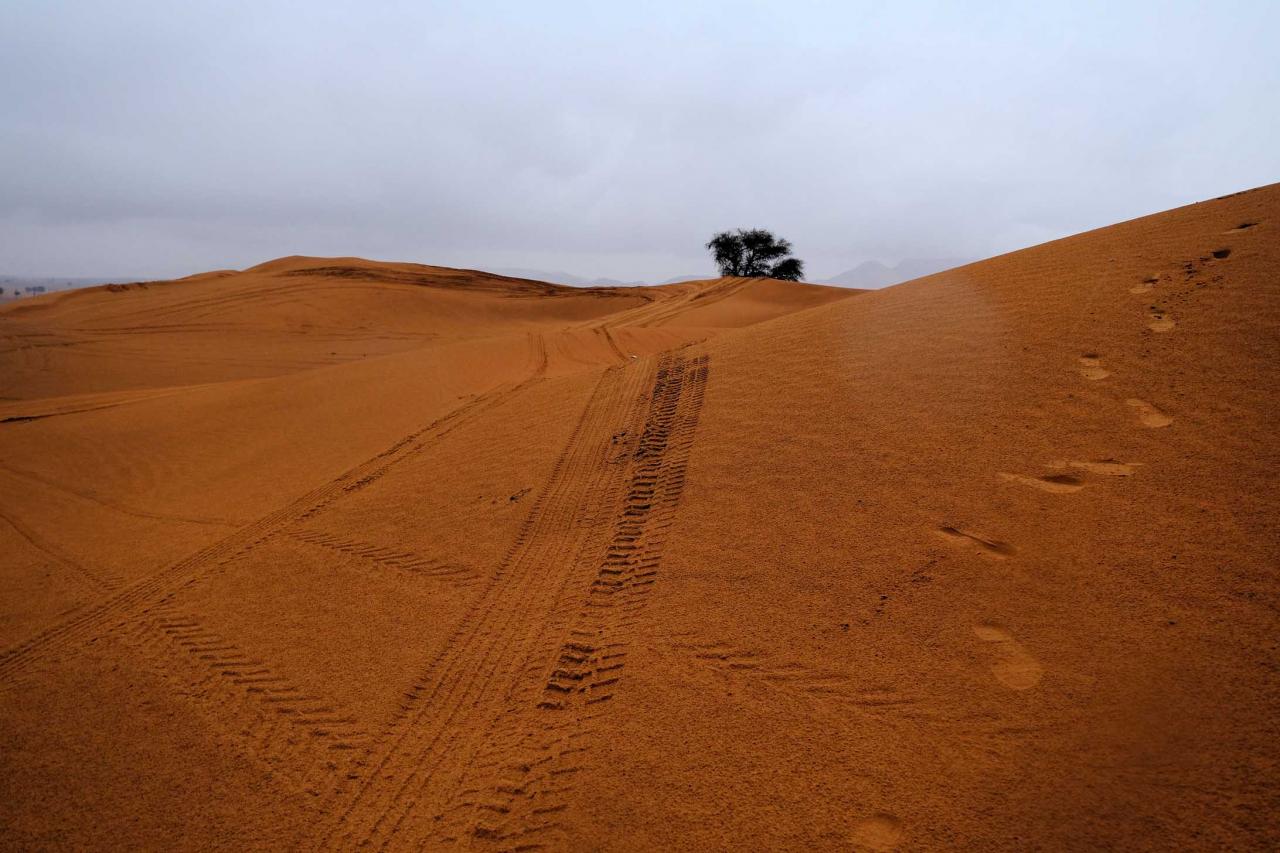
<point x="157" y="139"/>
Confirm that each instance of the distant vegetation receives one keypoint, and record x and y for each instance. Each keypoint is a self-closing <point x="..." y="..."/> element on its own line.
<point x="755" y="254"/>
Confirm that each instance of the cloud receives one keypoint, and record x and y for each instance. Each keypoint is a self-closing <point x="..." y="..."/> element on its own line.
<point x="160" y="139"/>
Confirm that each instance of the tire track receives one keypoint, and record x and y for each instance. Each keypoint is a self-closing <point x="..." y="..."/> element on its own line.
<point x="89" y="495"/>
<point x="96" y="582"/>
<point x="418" y="766"/>
<point x="713" y="294"/>
<point x="306" y="736"/>
<point x="135" y="598"/>
<point x="609" y="339"/>
<point x="515" y="794"/>
<point x="402" y="561"/>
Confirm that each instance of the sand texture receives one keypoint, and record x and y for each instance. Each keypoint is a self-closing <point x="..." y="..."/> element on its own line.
<point x="339" y="554"/>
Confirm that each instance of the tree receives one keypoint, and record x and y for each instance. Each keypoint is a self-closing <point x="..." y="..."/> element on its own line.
<point x="754" y="253"/>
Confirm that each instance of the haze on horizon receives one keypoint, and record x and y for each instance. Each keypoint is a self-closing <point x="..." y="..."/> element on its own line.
<point x="151" y="140"/>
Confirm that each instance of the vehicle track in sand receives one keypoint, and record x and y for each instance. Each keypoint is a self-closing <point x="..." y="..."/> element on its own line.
<point x="405" y="562"/>
<point x="135" y="599"/>
<point x="489" y="736"/>
<point x="302" y="736"/>
<point x="95" y="581"/>
<point x="115" y="506"/>
<point x="513" y="794"/>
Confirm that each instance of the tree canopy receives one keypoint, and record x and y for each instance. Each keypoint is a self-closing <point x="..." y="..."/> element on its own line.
<point x="754" y="253"/>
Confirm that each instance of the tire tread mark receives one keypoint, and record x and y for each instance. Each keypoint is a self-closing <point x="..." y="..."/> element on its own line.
<point x="305" y="736"/>
<point x="407" y="562"/>
<point x="523" y="782"/>
<point x="135" y="597"/>
<point x="419" y="762"/>
<point x="96" y="582"/>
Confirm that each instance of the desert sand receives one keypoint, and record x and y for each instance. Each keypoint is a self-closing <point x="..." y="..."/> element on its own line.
<point x="339" y="554"/>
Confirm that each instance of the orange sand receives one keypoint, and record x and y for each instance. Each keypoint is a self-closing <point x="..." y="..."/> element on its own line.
<point x="331" y="553"/>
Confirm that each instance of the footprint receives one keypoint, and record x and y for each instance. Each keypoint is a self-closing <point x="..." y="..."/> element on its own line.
<point x="1014" y="666"/>
<point x="1161" y="322"/>
<point x="1091" y="367"/>
<point x="1147" y="285"/>
<point x="1106" y="467"/>
<point x="880" y="832"/>
<point x="991" y="546"/>
<point x="1148" y="415"/>
<point x="1060" y="484"/>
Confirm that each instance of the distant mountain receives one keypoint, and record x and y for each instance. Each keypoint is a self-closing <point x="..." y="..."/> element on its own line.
<point x="873" y="274"/>
<point x="540" y="275"/>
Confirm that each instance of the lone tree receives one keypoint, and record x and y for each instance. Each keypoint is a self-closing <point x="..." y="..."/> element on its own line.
<point x="755" y="254"/>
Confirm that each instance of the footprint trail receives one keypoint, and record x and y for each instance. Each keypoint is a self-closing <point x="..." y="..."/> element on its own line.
<point x="1148" y="415"/>
<point x="1013" y="666"/>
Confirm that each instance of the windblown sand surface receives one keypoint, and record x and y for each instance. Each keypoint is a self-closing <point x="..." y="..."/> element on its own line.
<point x="339" y="554"/>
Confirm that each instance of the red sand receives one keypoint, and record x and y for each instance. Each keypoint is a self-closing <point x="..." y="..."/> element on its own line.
<point x="331" y="553"/>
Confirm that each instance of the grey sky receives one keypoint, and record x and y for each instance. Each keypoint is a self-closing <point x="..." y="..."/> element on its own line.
<point x="162" y="138"/>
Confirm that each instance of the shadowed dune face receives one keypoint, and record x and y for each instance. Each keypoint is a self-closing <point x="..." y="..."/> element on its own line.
<point x="332" y="553"/>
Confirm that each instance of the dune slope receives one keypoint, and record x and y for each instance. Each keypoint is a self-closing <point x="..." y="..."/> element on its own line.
<point x="330" y="553"/>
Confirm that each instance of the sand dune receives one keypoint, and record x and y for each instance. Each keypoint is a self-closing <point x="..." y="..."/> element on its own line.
<point x="333" y="553"/>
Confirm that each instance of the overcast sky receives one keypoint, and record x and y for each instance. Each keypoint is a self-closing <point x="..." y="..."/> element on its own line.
<point x="158" y="138"/>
